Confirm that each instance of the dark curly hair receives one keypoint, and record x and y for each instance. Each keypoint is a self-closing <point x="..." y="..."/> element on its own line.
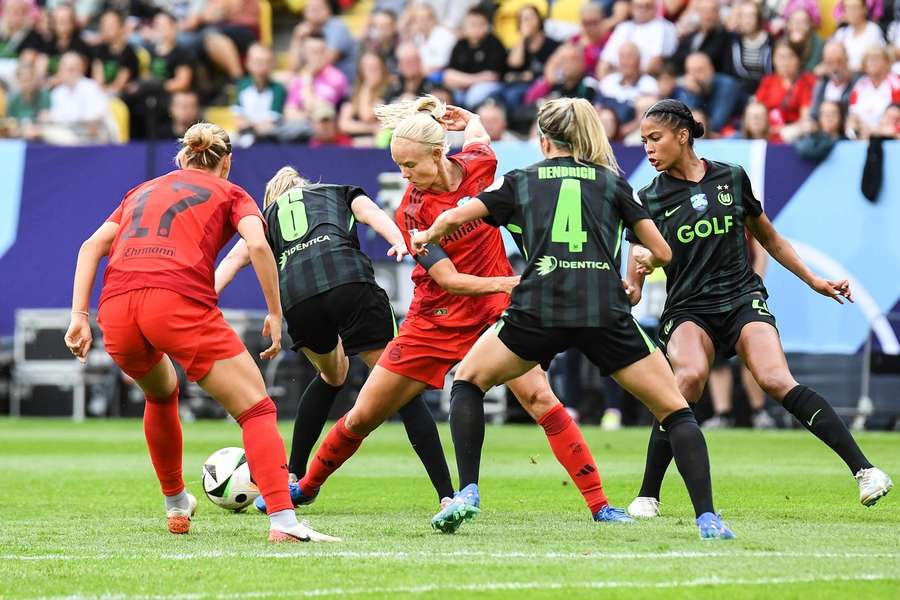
<point x="676" y="115"/>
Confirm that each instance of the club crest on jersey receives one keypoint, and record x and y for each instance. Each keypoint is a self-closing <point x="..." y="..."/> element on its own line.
<point x="699" y="202"/>
<point x="725" y="198"/>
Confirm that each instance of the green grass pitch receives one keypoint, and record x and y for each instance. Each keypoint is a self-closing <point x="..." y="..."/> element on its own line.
<point x="81" y="517"/>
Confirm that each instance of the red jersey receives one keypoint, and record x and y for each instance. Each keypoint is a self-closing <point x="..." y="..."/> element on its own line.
<point x="476" y="248"/>
<point x="170" y="231"/>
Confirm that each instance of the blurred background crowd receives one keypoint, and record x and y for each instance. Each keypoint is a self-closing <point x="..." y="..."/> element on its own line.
<point x="312" y="71"/>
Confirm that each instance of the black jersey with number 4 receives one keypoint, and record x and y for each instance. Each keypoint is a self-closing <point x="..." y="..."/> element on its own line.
<point x="567" y="218"/>
<point x="312" y="233"/>
<point x="703" y="222"/>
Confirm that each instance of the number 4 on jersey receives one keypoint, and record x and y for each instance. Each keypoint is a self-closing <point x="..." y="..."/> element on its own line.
<point x="567" y="227"/>
<point x="292" y="215"/>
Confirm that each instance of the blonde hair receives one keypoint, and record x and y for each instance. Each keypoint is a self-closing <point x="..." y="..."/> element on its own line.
<point x="573" y="124"/>
<point x="203" y="146"/>
<point x="285" y="179"/>
<point x="418" y="120"/>
<point x="875" y="50"/>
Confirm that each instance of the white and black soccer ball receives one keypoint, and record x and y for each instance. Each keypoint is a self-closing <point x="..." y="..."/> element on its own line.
<point x="226" y="479"/>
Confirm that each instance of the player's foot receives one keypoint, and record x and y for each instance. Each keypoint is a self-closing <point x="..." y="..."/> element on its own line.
<point x="644" y="507"/>
<point x="716" y="422"/>
<point x="297" y="497"/>
<point x="712" y="527"/>
<point x="463" y="507"/>
<point x="608" y="514"/>
<point x="612" y="420"/>
<point x="873" y="484"/>
<point x="178" y="520"/>
<point x="301" y="532"/>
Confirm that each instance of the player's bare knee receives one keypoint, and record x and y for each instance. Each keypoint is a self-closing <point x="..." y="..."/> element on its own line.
<point x="691" y="382"/>
<point x="361" y="421"/>
<point x="776" y="384"/>
<point x="539" y="402"/>
<point x="337" y="375"/>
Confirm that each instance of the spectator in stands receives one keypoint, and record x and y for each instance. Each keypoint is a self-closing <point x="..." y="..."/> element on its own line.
<point x="610" y="121"/>
<point x="318" y="81"/>
<point x="889" y="125"/>
<point x="82" y="9"/>
<point x="717" y="94"/>
<point x="339" y="43"/>
<point x="477" y="62"/>
<point x="115" y="62"/>
<point x="667" y="81"/>
<point x="434" y="41"/>
<point x="835" y="81"/>
<point x="654" y="36"/>
<point x="65" y="36"/>
<point x="817" y="144"/>
<point x="493" y="119"/>
<point x="875" y="9"/>
<point x="382" y="38"/>
<point x="710" y="38"/>
<point x="620" y="89"/>
<point x="451" y="13"/>
<point x="755" y="124"/>
<point x="410" y="81"/>
<point x="595" y="31"/>
<point x="527" y="59"/>
<point x="29" y="105"/>
<point x="786" y="93"/>
<point x="860" y="34"/>
<point x="78" y="106"/>
<point x="184" y="111"/>
<point x="631" y="132"/>
<point x="260" y="99"/>
<point x="566" y="80"/>
<point x="875" y="91"/>
<point x="701" y="117"/>
<point x="325" y="130"/>
<point x="801" y="35"/>
<point x="751" y="47"/>
<point x="18" y="38"/>
<point x="229" y="28"/>
<point x="357" y="116"/>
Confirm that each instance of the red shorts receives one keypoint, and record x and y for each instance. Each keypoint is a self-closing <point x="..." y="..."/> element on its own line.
<point x="426" y="352"/>
<point x="141" y="325"/>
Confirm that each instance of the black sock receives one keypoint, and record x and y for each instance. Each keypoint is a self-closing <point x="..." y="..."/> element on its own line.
<point x="691" y="457"/>
<point x="423" y="435"/>
<point x="659" y="455"/>
<point x="312" y="412"/>
<point x="817" y="416"/>
<point x="467" y="429"/>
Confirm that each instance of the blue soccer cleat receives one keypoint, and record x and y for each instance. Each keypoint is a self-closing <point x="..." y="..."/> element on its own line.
<point x="297" y="497"/>
<point x="463" y="507"/>
<point x="712" y="527"/>
<point x="608" y="514"/>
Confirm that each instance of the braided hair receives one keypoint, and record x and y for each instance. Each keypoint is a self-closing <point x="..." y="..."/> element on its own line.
<point x="676" y="115"/>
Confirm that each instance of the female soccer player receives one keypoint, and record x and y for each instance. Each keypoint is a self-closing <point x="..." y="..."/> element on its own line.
<point x="716" y="303"/>
<point x="333" y="306"/>
<point x="450" y="309"/>
<point x="158" y="302"/>
<point x="570" y="209"/>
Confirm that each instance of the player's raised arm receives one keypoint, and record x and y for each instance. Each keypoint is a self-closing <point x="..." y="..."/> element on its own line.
<point x="366" y="211"/>
<point x="460" y="119"/>
<point x="447" y="223"/>
<point x="251" y="229"/>
<point x="236" y="259"/>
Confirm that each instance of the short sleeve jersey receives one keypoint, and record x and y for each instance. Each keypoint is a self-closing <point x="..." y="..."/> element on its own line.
<point x="703" y="223"/>
<point x="170" y="231"/>
<point x="113" y="62"/>
<point x="312" y="233"/>
<point x="568" y="218"/>
<point x="476" y="248"/>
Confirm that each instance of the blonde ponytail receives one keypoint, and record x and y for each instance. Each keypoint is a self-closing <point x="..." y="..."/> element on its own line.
<point x="573" y="124"/>
<point x="285" y="179"/>
<point x="418" y="120"/>
<point x="203" y="146"/>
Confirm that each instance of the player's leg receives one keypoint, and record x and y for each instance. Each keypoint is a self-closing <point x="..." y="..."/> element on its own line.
<point x="760" y="348"/>
<point x="721" y="388"/>
<point x="690" y="352"/>
<point x="756" y="398"/>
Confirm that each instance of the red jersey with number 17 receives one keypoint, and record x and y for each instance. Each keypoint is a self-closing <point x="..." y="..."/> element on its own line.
<point x="476" y="248"/>
<point x="170" y="231"/>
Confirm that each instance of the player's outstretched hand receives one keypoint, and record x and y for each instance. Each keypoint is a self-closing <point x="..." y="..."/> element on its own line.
<point x="79" y="337"/>
<point x="419" y="242"/>
<point x="632" y="291"/>
<point x="509" y="283"/>
<point x="833" y="289"/>
<point x="399" y="250"/>
<point x="272" y="328"/>
<point x="456" y="118"/>
<point x="644" y="259"/>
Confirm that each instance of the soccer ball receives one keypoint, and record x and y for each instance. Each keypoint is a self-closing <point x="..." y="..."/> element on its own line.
<point x="226" y="479"/>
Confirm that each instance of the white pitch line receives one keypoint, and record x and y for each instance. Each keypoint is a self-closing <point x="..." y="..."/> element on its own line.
<point x="486" y="587"/>
<point x="449" y="555"/>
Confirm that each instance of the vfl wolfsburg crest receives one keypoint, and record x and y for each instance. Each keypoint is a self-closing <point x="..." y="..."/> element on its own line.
<point x="699" y="202"/>
<point x="725" y="198"/>
<point x="546" y="265"/>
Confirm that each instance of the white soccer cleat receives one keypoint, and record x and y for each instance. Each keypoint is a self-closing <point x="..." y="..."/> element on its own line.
<point x="178" y="520"/>
<point x="299" y="533"/>
<point x="644" y="507"/>
<point x="873" y="484"/>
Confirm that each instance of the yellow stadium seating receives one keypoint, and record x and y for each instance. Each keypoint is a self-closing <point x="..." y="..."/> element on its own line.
<point x="265" y="22"/>
<point x="221" y="116"/>
<point x="567" y="10"/>
<point x="506" y="20"/>
<point x="119" y="112"/>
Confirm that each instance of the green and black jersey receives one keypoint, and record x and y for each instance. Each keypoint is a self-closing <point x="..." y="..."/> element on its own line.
<point x="703" y="222"/>
<point x="567" y="218"/>
<point x="312" y="233"/>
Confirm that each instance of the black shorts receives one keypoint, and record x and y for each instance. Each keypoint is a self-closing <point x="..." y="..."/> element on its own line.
<point x="723" y="328"/>
<point x="610" y="348"/>
<point x="360" y="313"/>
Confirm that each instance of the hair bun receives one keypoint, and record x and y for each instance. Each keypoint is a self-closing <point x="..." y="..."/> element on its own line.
<point x="697" y="129"/>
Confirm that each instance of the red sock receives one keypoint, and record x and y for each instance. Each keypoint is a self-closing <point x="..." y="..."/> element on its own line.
<point x="339" y="445"/>
<point x="265" y="454"/>
<point x="573" y="454"/>
<point x="163" y="432"/>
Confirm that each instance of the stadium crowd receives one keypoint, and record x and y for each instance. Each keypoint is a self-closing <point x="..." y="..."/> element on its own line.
<point x="789" y="71"/>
